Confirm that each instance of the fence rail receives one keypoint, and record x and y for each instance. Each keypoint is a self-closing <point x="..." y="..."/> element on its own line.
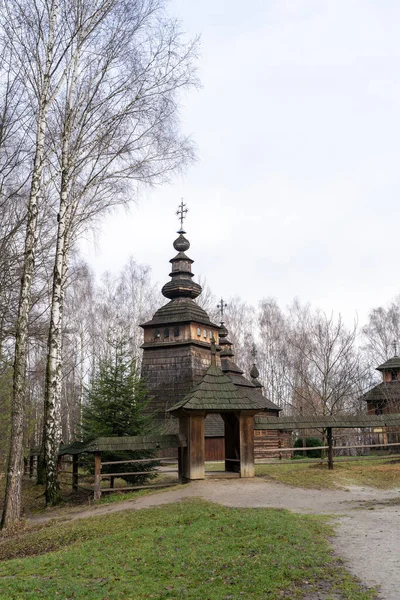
<point x="339" y="459"/>
<point x="307" y="448"/>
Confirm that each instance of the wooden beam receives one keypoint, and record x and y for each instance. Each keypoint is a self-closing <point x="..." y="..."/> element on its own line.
<point x="138" y="460"/>
<point x="139" y="487"/>
<point x="330" y="448"/>
<point x="75" y="472"/>
<point x="246" y="433"/>
<point x="192" y="457"/>
<point x="97" y="475"/>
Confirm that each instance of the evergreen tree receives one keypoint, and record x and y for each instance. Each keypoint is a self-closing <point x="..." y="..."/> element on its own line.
<point x="116" y="401"/>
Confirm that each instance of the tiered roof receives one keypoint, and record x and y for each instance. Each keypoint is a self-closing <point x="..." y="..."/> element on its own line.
<point x="181" y="290"/>
<point x="252" y="389"/>
<point x="215" y="392"/>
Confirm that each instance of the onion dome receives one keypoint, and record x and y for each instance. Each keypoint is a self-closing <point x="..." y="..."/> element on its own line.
<point x="181" y="290"/>
<point x="181" y="244"/>
<point x="225" y="344"/>
<point x="254" y="373"/>
<point x="181" y="284"/>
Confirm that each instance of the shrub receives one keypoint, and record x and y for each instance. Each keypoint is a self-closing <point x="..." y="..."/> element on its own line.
<point x="310" y="443"/>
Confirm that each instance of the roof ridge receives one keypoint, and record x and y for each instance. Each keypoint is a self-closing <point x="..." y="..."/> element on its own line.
<point x="215" y="392"/>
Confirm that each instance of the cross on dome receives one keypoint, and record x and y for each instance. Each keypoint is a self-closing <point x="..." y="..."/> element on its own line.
<point x="394" y="344"/>
<point x="222" y="305"/>
<point x="181" y="212"/>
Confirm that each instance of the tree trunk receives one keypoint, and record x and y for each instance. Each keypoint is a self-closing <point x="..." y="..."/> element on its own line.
<point x="52" y="413"/>
<point x="12" y="503"/>
<point x="52" y="417"/>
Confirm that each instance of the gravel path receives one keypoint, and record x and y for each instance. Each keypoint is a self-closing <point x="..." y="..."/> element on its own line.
<point x="367" y="520"/>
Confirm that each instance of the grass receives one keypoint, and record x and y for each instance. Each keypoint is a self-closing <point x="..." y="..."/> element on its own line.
<point x="33" y="499"/>
<point x="379" y="473"/>
<point x="193" y="549"/>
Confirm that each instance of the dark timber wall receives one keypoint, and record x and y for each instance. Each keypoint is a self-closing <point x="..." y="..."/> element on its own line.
<point x="171" y="372"/>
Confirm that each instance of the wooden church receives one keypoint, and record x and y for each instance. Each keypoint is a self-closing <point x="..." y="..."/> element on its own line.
<point x="384" y="398"/>
<point x="184" y="374"/>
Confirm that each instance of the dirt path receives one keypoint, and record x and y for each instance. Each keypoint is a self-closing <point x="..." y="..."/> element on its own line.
<point x="367" y="520"/>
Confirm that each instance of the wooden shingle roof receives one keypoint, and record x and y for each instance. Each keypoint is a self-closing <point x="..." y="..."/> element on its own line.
<point x="336" y="421"/>
<point x="392" y="363"/>
<point x="179" y="310"/>
<point x="126" y="442"/>
<point x="215" y="392"/>
<point x="385" y="391"/>
<point x="235" y="374"/>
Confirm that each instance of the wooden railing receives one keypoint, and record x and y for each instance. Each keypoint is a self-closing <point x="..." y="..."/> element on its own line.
<point x="99" y="476"/>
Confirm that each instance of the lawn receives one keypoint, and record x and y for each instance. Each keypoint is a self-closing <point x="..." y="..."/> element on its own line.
<point x="192" y="549"/>
<point x="33" y="499"/>
<point x="379" y="473"/>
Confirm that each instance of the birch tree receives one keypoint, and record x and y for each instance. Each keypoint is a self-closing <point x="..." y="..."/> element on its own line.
<point x="38" y="36"/>
<point x="30" y="35"/>
<point x="117" y="125"/>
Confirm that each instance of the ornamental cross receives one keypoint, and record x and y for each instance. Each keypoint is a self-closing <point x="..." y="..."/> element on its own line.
<point x="254" y="352"/>
<point x="395" y="347"/>
<point x="181" y="212"/>
<point x="221" y="307"/>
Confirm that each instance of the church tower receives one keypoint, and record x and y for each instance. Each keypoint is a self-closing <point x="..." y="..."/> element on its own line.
<point x="177" y="340"/>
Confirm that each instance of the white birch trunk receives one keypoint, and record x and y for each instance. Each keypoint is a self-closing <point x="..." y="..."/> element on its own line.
<point x="53" y="390"/>
<point x="12" y="503"/>
<point x="52" y="424"/>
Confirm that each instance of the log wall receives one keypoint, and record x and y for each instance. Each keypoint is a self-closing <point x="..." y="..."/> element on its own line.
<point x="270" y="439"/>
<point x="171" y="372"/>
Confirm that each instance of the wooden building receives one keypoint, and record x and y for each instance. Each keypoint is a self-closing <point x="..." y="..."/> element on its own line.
<point x="384" y="398"/>
<point x="177" y="354"/>
<point x="215" y="394"/>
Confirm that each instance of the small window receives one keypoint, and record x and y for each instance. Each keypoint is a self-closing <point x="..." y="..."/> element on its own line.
<point x="176" y="331"/>
<point x="378" y="411"/>
<point x="166" y="332"/>
<point x="210" y="334"/>
<point x="394" y="375"/>
<point x="156" y="334"/>
<point x="205" y="334"/>
<point x="199" y="331"/>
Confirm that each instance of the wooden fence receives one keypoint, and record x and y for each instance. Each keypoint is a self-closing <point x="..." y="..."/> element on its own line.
<point x="70" y="466"/>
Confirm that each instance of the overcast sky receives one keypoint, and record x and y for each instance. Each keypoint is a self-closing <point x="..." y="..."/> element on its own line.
<point x="296" y="188"/>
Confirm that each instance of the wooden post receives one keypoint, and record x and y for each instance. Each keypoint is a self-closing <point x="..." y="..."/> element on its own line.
<point x="180" y="465"/>
<point x="192" y="465"/>
<point x="75" y="472"/>
<point x="31" y="459"/>
<point x="112" y="482"/>
<point x="330" y="448"/>
<point x="246" y="432"/>
<point x="97" y="472"/>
